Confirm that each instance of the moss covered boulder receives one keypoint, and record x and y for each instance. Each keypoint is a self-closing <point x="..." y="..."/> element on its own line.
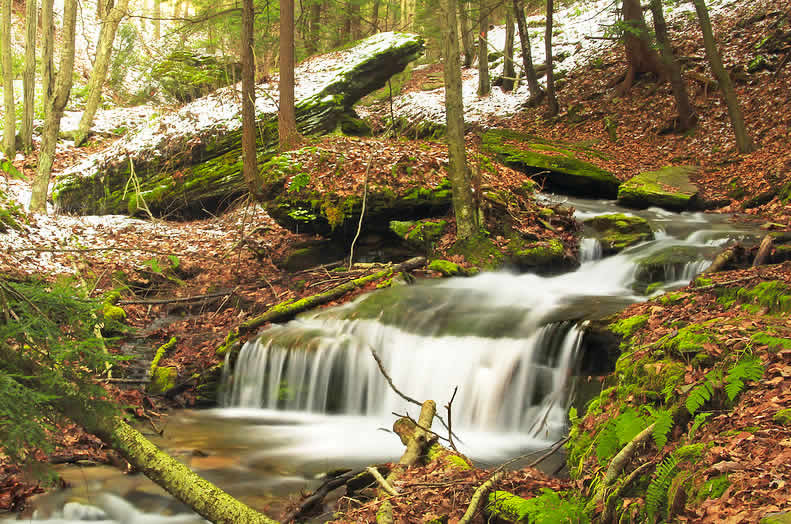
<point x="668" y="188"/>
<point x="559" y="165"/>
<point x="617" y="231"/>
<point x="184" y="75"/>
<point x="420" y="234"/>
<point x="543" y="257"/>
<point x="181" y="166"/>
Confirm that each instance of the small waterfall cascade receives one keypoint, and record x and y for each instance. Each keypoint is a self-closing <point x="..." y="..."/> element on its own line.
<point x="590" y="249"/>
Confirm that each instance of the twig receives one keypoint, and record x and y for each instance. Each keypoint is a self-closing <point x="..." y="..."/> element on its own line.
<point x="484" y="488"/>
<point x="390" y="490"/>
<point x="448" y="407"/>
<point x="175" y="300"/>
<point x="549" y="453"/>
<point x="362" y="210"/>
<point x="390" y="380"/>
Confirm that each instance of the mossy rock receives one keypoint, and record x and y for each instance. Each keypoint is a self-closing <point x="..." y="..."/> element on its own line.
<point x="163" y="379"/>
<point x="777" y="518"/>
<point x="668" y="188"/>
<point x="11" y="215"/>
<point x="566" y="172"/>
<point x="539" y="256"/>
<point x="191" y="174"/>
<point x="446" y="268"/>
<point x="184" y="75"/>
<point x="667" y="263"/>
<point x="479" y="251"/>
<point x="618" y="231"/>
<point x="420" y="234"/>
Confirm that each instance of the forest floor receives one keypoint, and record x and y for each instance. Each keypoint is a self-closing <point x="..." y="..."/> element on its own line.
<point x="198" y="280"/>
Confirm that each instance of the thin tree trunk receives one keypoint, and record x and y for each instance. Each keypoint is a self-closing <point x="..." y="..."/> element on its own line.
<point x="509" y="72"/>
<point x="55" y="106"/>
<point x="29" y="78"/>
<point x="466" y="33"/>
<point x="375" y="16"/>
<point x="354" y="19"/>
<point x="157" y="22"/>
<point x="463" y="202"/>
<point x="536" y="93"/>
<point x="249" y="162"/>
<point x="484" y="85"/>
<point x="9" y="127"/>
<point x="640" y="56"/>
<point x="552" y="101"/>
<point x="287" y="120"/>
<point x="47" y="46"/>
<point x="744" y="142"/>
<point x="686" y="113"/>
<point x="104" y="53"/>
<point x="313" y="42"/>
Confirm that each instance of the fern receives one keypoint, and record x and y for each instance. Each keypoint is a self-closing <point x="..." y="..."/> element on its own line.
<point x="607" y="444"/>
<point x="657" y="489"/>
<point x="663" y="423"/>
<point x="748" y="368"/>
<point x="700" y="419"/>
<point x="627" y="425"/>
<point x="702" y="393"/>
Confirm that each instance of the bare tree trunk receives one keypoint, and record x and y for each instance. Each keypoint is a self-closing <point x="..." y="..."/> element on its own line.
<point x="744" y="142"/>
<point x="354" y="19"/>
<point x="686" y="113"/>
<point x="287" y="120"/>
<point x="509" y="72"/>
<point x="157" y="22"/>
<point x="484" y="85"/>
<point x="640" y="56"/>
<point x="54" y="110"/>
<point x="29" y="78"/>
<point x="463" y="202"/>
<point x="249" y="162"/>
<point x="9" y="127"/>
<point x="466" y="33"/>
<point x="104" y="53"/>
<point x="536" y="93"/>
<point x="47" y="46"/>
<point x="552" y="101"/>
<point x="313" y="42"/>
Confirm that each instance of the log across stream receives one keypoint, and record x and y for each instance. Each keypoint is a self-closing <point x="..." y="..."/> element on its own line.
<point x="307" y="396"/>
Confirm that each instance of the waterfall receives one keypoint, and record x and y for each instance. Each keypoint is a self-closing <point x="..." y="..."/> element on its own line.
<point x="590" y="249"/>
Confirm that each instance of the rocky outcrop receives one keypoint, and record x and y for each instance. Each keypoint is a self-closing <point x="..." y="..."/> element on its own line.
<point x="556" y="164"/>
<point x="184" y="76"/>
<point x="617" y="231"/>
<point x="189" y="162"/>
<point x="669" y="188"/>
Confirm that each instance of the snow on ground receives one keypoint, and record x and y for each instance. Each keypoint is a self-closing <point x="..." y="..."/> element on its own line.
<point x="221" y="110"/>
<point x="572" y="28"/>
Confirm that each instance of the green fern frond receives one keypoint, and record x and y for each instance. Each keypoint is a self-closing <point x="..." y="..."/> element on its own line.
<point x="700" y="419"/>
<point x="748" y="368"/>
<point x="699" y="395"/>
<point x="663" y="423"/>
<point x="607" y="444"/>
<point x="627" y="425"/>
<point x="657" y="489"/>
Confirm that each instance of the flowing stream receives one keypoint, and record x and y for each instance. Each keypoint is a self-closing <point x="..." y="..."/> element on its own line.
<point x="308" y="396"/>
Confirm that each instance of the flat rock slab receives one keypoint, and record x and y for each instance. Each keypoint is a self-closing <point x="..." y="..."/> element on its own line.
<point x="557" y="165"/>
<point x="669" y="188"/>
<point x="617" y="231"/>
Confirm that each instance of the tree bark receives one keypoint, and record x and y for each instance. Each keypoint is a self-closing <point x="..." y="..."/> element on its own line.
<point x="686" y="113"/>
<point x="29" y="78"/>
<point x="104" y="53"/>
<point x="313" y="43"/>
<point x="47" y="45"/>
<point x="466" y="34"/>
<point x="249" y="162"/>
<point x="536" y="93"/>
<point x="463" y="201"/>
<point x="9" y="122"/>
<point x="287" y="121"/>
<point x="484" y="85"/>
<point x="744" y="142"/>
<point x="54" y="110"/>
<point x="552" y="101"/>
<point x="640" y="56"/>
<point x="509" y="72"/>
<point x="764" y="250"/>
<point x="157" y="21"/>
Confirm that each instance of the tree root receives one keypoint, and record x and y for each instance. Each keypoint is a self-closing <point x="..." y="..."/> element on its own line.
<point x="481" y="492"/>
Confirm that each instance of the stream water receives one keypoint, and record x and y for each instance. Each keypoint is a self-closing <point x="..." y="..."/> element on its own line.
<point x="308" y="396"/>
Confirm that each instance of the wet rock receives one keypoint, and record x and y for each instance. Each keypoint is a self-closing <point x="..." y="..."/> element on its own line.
<point x="669" y="188"/>
<point x="618" y="231"/>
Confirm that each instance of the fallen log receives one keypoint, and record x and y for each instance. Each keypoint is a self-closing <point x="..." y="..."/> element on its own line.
<point x="763" y="251"/>
<point x="288" y="310"/>
<point x="722" y="259"/>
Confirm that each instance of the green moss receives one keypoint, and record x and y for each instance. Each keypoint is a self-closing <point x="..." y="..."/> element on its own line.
<point x="777" y="518"/>
<point x="688" y="340"/>
<point x="783" y="417"/>
<point x="163" y="379"/>
<point x="545" y="255"/>
<point x="669" y="188"/>
<point x="447" y="268"/>
<point x="566" y="170"/>
<point x="113" y="313"/>
<point x="628" y="326"/>
<point x="479" y="251"/>
<point x="772" y="295"/>
<point x="420" y="233"/>
<point x="774" y="343"/>
<point x="618" y="231"/>
<point x="713" y="488"/>
<point x="691" y="452"/>
<point x="161" y="353"/>
<point x="671" y="298"/>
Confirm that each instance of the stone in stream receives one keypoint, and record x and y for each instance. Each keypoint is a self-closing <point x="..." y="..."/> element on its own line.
<point x="669" y="188"/>
<point x="617" y="231"/>
<point x="189" y="163"/>
<point x="557" y="164"/>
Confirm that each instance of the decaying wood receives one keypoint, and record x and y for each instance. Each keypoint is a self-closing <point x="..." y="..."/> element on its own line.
<point x="481" y="492"/>
<point x="722" y="259"/>
<point x="763" y="251"/>
<point x="288" y="310"/>
<point x="617" y="464"/>
<point x="310" y="504"/>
